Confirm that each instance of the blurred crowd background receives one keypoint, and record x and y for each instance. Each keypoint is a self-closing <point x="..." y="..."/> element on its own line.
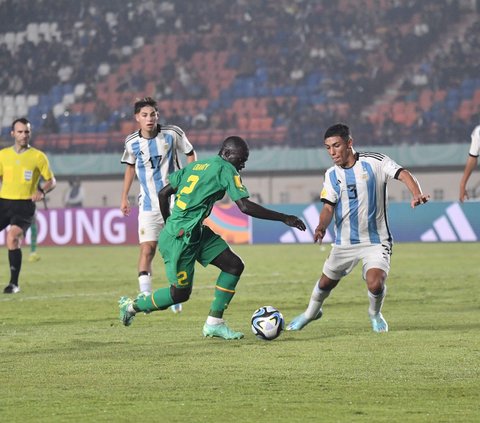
<point x="277" y="72"/>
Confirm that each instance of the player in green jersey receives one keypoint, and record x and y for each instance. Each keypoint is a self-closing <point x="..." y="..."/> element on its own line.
<point x="185" y="239"/>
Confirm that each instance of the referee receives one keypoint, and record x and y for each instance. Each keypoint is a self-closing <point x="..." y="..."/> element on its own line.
<point x="21" y="167"/>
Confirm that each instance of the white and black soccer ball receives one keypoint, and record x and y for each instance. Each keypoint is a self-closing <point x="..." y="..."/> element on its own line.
<point x="267" y="323"/>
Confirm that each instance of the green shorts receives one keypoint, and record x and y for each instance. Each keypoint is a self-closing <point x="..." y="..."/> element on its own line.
<point x="180" y="257"/>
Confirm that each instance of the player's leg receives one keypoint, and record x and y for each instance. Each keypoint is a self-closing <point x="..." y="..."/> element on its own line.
<point x="149" y="226"/>
<point x="33" y="257"/>
<point x="231" y="267"/>
<point x="376" y="265"/>
<point x="147" y="253"/>
<point x="4" y="217"/>
<point x="179" y="261"/>
<point x="20" y="215"/>
<point x="14" y="237"/>
<point x="339" y="263"/>
<point x="314" y="311"/>
<point x="216" y="251"/>
<point x="377" y="291"/>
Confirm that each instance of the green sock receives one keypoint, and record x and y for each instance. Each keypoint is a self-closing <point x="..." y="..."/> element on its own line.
<point x="159" y="300"/>
<point x="33" y="237"/>
<point x="224" y="292"/>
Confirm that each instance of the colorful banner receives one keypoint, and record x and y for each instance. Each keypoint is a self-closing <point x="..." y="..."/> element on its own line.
<point x="85" y="226"/>
<point x="432" y="222"/>
<point x="107" y="226"/>
<point x="229" y="222"/>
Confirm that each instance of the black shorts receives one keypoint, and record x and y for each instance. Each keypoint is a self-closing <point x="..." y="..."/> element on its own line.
<point x="16" y="212"/>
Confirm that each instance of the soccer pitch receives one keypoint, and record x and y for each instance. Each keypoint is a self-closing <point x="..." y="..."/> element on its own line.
<point x="65" y="357"/>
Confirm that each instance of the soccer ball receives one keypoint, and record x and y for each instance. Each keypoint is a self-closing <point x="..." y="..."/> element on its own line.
<point x="267" y="323"/>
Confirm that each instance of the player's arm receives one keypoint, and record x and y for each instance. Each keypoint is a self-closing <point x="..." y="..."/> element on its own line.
<point x="164" y="200"/>
<point x="413" y="186"/>
<point x="49" y="185"/>
<point x="470" y="165"/>
<point x="326" y="216"/>
<point x="127" y="184"/>
<point x="256" y="210"/>
<point x="192" y="156"/>
<point x="46" y="187"/>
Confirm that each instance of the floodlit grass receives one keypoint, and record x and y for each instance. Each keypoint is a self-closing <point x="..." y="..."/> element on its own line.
<point x="64" y="356"/>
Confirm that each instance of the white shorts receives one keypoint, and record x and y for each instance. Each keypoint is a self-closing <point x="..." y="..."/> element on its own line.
<point x="342" y="260"/>
<point x="150" y="225"/>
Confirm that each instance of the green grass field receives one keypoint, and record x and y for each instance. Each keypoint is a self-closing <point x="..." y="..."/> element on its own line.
<point x="65" y="357"/>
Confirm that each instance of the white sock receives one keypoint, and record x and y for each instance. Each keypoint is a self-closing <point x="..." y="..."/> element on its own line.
<point x="214" y="320"/>
<point x="145" y="284"/>
<point x="316" y="301"/>
<point x="376" y="301"/>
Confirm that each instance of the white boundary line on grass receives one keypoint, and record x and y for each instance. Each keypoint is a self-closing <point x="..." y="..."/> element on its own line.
<point x="21" y="297"/>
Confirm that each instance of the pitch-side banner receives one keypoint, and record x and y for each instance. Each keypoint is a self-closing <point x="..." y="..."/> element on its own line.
<point x="432" y="222"/>
<point x="84" y="226"/>
<point x="107" y="226"/>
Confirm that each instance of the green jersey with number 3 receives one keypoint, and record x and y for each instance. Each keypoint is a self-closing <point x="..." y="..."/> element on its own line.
<point x="199" y="185"/>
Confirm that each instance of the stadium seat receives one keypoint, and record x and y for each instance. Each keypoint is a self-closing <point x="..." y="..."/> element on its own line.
<point x="127" y="127"/>
<point x="426" y="99"/>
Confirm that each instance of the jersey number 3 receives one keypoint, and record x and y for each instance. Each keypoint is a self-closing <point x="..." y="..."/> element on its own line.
<point x="352" y="191"/>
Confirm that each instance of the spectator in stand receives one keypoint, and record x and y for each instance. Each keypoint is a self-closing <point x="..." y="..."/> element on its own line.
<point x="74" y="195"/>
<point x="50" y="124"/>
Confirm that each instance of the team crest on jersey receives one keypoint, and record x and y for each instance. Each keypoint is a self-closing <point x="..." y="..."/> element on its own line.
<point x="238" y="181"/>
<point x="28" y="175"/>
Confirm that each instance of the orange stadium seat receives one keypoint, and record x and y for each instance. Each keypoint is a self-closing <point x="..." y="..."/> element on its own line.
<point x="476" y="97"/>
<point x="127" y="127"/>
<point x="466" y="110"/>
<point x="243" y="123"/>
<point x="439" y="95"/>
<point x="425" y="99"/>
<point x="260" y="124"/>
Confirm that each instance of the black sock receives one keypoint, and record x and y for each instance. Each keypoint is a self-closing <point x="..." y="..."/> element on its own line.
<point x="15" y="260"/>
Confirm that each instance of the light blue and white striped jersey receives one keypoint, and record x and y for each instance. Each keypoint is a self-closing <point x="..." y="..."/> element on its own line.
<point x="475" y="143"/>
<point x="154" y="160"/>
<point x="359" y="195"/>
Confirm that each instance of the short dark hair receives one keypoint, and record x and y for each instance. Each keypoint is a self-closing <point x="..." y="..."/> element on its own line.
<point x="146" y="101"/>
<point x="338" y="130"/>
<point x="233" y="142"/>
<point x="25" y="121"/>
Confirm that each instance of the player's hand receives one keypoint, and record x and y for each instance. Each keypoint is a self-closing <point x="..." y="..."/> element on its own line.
<point x="125" y="208"/>
<point x="463" y="195"/>
<point x="38" y="196"/>
<point x="295" y="222"/>
<point x="320" y="232"/>
<point x="418" y="200"/>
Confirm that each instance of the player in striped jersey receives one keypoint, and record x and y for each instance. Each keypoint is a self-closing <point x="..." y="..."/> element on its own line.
<point x="152" y="154"/>
<point x="471" y="163"/>
<point x="355" y="196"/>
